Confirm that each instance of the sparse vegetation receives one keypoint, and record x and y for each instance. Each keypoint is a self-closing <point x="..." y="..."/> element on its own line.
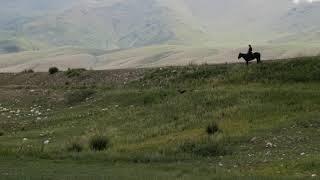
<point x="77" y="96"/>
<point x="74" y="72"/>
<point x="286" y="71"/>
<point x="27" y="71"/>
<point x="75" y="146"/>
<point x="204" y="147"/>
<point x="53" y="70"/>
<point x="99" y="143"/>
<point x="308" y="121"/>
<point x="260" y="124"/>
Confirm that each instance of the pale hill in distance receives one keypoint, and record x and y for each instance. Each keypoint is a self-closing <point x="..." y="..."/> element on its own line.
<point x="147" y="33"/>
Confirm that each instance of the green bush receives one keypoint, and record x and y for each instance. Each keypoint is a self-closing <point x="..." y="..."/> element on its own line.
<point x="1" y="133"/>
<point x="53" y="70"/>
<point x="99" y="143"/>
<point x="77" y="96"/>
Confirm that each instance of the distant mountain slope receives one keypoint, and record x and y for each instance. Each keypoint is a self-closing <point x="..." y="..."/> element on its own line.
<point x="112" y="24"/>
<point x="98" y="24"/>
<point x="126" y="24"/>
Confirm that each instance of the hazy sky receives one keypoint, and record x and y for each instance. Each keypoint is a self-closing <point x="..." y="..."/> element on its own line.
<point x="299" y="1"/>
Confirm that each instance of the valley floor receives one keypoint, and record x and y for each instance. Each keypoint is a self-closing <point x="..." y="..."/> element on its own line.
<point x="156" y="120"/>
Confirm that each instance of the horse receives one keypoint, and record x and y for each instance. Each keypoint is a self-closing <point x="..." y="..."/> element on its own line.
<point x="248" y="57"/>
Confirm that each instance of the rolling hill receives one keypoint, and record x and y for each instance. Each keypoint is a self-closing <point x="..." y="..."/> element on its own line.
<point x="201" y="122"/>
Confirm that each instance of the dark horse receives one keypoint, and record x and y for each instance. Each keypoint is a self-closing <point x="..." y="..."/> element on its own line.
<point x="250" y="57"/>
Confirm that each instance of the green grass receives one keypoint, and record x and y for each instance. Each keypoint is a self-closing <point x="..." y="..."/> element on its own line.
<point x="268" y="118"/>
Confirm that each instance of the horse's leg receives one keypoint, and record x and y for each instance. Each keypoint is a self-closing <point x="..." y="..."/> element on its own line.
<point x="247" y="63"/>
<point x="259" y="59"/>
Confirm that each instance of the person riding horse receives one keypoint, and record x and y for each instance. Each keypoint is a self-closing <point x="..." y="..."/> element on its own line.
<point x="250" y="56"/>
<point x="250" y="51"/>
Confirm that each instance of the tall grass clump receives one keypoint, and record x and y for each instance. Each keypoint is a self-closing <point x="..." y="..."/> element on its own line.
<point x="212" y="128"/>
<point x="99" y="143"/>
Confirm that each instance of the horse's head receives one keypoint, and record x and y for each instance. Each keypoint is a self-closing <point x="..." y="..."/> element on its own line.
<point x="240" y="55"/>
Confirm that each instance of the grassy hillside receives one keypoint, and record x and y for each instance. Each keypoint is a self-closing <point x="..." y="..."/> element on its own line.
<point x="193" y="122"/>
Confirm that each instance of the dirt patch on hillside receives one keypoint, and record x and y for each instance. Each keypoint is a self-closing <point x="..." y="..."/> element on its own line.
<point x="85" y="78"/>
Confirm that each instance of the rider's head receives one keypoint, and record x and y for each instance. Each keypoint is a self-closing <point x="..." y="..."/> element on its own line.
<point x="249" y="45"/>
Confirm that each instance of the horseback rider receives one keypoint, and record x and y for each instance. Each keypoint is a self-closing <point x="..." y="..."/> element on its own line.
<point x="250" y="50"/>
<point x="250" y="55"/>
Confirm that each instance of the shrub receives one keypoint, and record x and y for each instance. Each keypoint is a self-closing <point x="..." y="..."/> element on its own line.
<point x="53" y="70"/>
<point x="212" y="128"/>
<point x="99" y="143"/>
<point x="74" y="146"/>
<point x="77" y="96"/>
<point x="74" y="72"/>
<point x="1" y="133"/>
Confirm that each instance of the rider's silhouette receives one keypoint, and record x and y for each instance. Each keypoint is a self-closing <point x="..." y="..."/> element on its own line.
<point x="250" y="50"/>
